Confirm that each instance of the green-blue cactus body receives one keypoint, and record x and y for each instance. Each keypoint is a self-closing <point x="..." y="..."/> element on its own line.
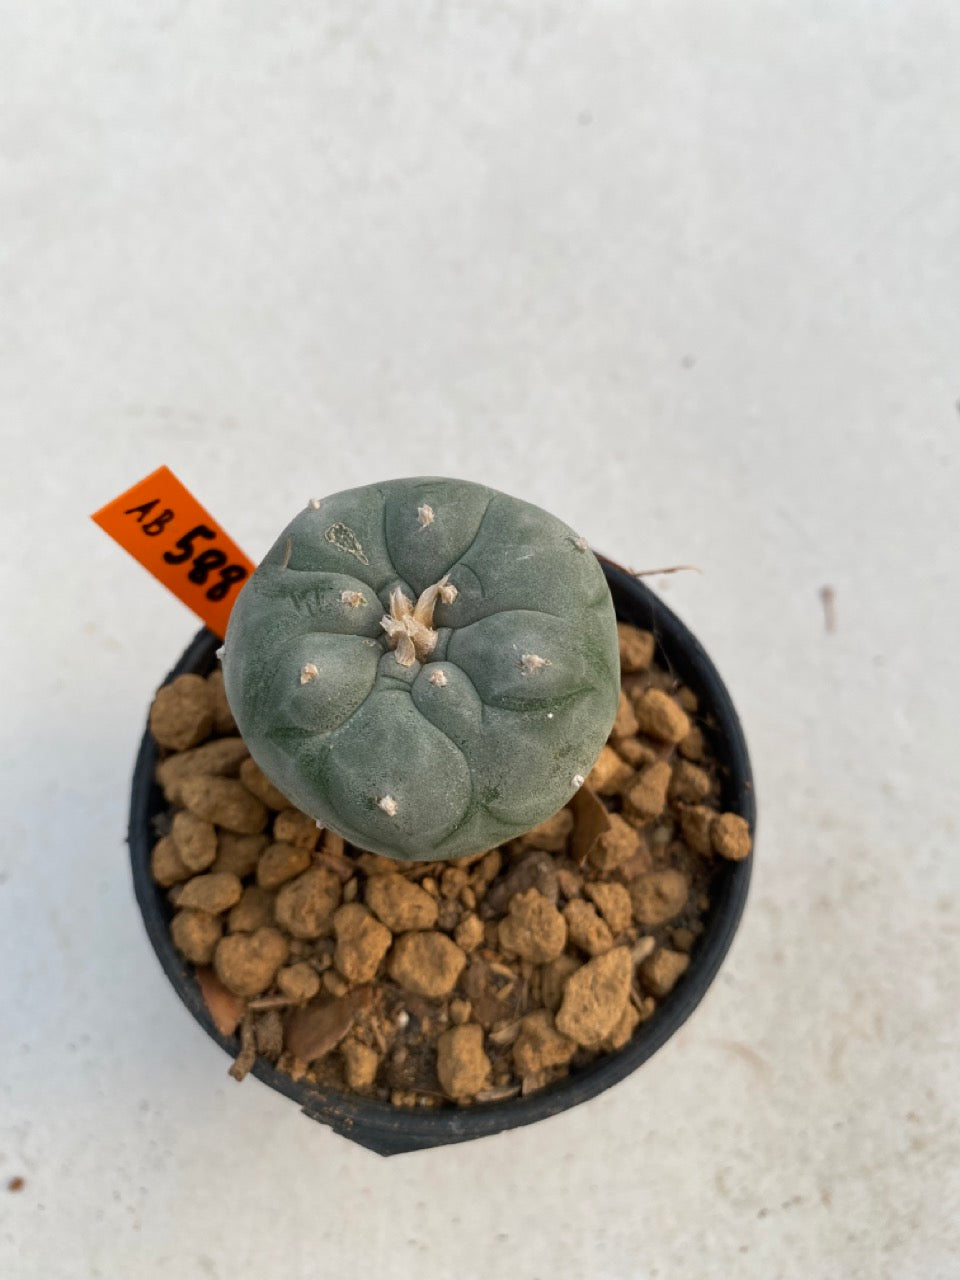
<point x="428" y="667"/>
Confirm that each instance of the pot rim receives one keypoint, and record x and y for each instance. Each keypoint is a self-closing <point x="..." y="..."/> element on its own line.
<point x="390" y="1130"/>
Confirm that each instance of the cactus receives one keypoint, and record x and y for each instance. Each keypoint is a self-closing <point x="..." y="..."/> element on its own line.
<point x="427" y="667"/>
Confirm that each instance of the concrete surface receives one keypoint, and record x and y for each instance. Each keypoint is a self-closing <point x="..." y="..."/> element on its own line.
<point x="687" y="274"/>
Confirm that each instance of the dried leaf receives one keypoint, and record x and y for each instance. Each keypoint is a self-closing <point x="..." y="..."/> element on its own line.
<point x="312" y="1032"/>
<point x="591" y="821"/>
<point x="224" y="1007"/>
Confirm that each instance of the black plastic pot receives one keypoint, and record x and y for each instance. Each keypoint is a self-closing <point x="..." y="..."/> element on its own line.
<point x="386" y="1129"/>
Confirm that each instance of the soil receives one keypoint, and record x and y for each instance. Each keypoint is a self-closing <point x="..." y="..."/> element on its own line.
<point x="431" y="984"/>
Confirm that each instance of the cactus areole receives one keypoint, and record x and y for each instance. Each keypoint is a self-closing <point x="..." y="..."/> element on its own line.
<point x="428" y="667"/>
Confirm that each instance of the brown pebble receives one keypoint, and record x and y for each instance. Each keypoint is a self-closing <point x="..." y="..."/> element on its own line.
<point x="362" y="942"/>
<point x="371" y="864"/>
<point x="247" y="962"/>
<point x="400" y="904"/>
<point x="296" y="828"/>
<point x="535" y="871"/>
<point x="636" y="648"/>
<point x="460" y="1011"/>
<point x="166" y="865"/>
<point x="611" y="774"/>
<point x="646" y="1008"/>
<point x="693" y="746"/>
<point x="295" y="1067"/>
<point x="196" y="840"/>
<point x="279" y="863"/>
<point x="689" y="784"/>
<point x="225" y="801"/>
<point x="569" y="882"/>
<point x="534" y="928"/>
<point x="195" y="935"/>
<point x="299" y="982"/>
<point x="613" y="903"/>
<point x="695" y="822"/>
<point x="660" y="972"/>
<point x="553" y="979"/>
<point x="452" y="881"/>
<point x="463" y="1067"/>
<point x="213" y="892"/>
<point x="647" y="797"/>
<point x="253" y="911"/>
<point x="594" y="998"/>
<point x="531" y="1083"/>
<point x="182" y="713"/>
<point x="469" y="933"/>
<point x="335" y="983"/>
<point x="550" y="835"/>
<point x="540" y="1045"/>
<point x="660" y="716"/>
<point x="585" y="928"/>
<point x="486" y="871"/>
<point x="305" y="906"/>
<point x="259" y="785"/>
<point x="615" y="846"/>
<point x="223" y="721"/>
<point x="224" y="1007"/>
<point x="428" y="964"/>
<point x="659" y="896"/>
<point x="625" y="724"/>
<point x="448" y="915"/>
<point x="635" y="752"/>
<point x="360" y="1063"/>
<point x="730" y="836"/>
<point x="238" y="854"/>
<point x="622" y="1032"/>
<point x="220" y="758"/>
<point x="638" y="864"/>
<point x="687" y="699"/>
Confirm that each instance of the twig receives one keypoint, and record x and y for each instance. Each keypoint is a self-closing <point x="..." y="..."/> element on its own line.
<point x="828" y="598"/>
<point x="248" y="1049"/>
<point x="497" y="1094"/>
<point x="673" y="568"/>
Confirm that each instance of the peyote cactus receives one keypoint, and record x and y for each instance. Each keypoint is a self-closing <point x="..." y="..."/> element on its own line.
<point x="428" y="667"/>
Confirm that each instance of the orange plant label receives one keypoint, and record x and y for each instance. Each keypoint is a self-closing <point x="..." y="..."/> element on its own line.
<point x="161" y="524"/>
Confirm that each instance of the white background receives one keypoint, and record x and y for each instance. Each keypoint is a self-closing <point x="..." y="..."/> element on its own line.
<point x="686" y="273"/>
